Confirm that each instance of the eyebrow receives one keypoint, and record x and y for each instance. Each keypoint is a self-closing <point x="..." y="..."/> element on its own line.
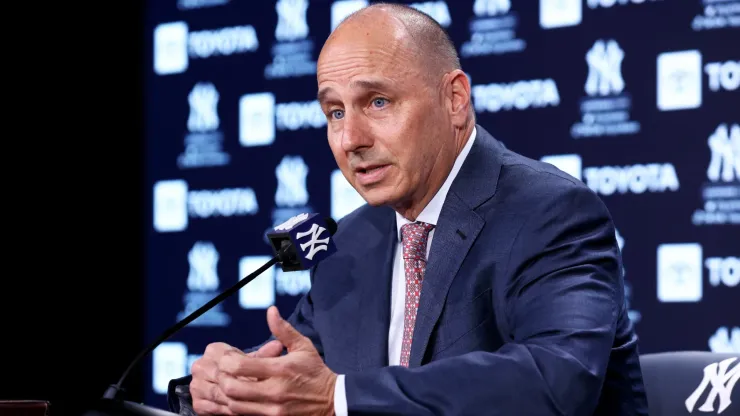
<point x="363" y="84"/>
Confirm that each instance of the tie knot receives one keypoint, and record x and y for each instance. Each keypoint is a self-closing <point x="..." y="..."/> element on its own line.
<point x="414" y="236"/>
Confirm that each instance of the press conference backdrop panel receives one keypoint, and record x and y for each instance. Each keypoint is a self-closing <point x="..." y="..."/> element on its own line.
<point x="637" y="98"/>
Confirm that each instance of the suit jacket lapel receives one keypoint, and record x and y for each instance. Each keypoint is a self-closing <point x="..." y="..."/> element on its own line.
<point x="456" y="231"/>
<point x="445" y="257"/>
<point x="374" y="270"/>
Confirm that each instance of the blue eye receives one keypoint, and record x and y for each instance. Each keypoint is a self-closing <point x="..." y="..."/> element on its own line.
<point x="378" y="102"/>
<point x="338" y="114"/>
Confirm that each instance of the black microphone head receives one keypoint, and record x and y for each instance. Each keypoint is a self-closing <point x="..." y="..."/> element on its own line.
<point x="331" y="225"/>
<point x="303" y="241"/>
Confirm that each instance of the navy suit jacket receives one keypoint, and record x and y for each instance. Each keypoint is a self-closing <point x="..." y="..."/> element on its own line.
<point x="522" y="308"/>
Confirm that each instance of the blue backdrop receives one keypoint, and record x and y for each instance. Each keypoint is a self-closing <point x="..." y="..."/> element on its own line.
<point x="639" y="99"/>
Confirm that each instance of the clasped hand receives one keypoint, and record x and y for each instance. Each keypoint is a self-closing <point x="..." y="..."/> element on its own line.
<point x="226" y="381"/>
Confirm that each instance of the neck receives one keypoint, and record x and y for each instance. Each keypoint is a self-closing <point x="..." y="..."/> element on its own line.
<point x="411" y="208"/>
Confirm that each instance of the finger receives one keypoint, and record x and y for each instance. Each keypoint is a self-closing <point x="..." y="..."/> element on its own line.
<point x="205" y="368"/>
<point x="259" y="367"/>
<point x="218" y="396"/>
<point x="285" y="333"/>
<point x="217" y="349"/>
<point x="272" y="349"/>
<point x="206" y="408"/>
<point x="238" y="388"/>
<point x="204" y="390"/>
<point x="256" y="408"/>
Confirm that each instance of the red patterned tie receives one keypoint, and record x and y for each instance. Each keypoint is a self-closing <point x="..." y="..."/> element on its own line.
<point x="414" y="237"/>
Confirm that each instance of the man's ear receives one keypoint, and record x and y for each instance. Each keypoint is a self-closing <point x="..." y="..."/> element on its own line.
<point x="459" y="97"/>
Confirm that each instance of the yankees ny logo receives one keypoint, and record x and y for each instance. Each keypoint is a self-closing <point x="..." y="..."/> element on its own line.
<point x="724" y="144"/>
<point x="315" y="244"/>
<point x="203" y="259"/>
<point x="291" y="175"/>
<point x="203" y="100"/>
<point x="292" y="24"/>
<point x="604" y="68"/>
<point x="722" y="382"/>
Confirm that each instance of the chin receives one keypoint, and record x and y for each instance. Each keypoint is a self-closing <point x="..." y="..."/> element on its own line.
<point x="374" y="201"/>
<point x="377" y="197"/>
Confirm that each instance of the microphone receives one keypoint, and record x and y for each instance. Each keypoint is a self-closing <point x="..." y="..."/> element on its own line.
<point x="297" y="244"/>
<point x="305" y="231"/>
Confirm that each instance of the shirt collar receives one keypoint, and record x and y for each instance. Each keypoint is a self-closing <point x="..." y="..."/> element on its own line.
<point x="430" y="213"/>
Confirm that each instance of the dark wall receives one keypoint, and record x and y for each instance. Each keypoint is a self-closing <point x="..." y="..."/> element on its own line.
<point x="71" y="294"/>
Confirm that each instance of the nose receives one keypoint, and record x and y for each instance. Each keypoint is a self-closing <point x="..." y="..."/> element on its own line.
<point x="354" y="133"/>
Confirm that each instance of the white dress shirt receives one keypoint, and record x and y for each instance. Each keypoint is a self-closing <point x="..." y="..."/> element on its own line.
<point x="429" y="215"/>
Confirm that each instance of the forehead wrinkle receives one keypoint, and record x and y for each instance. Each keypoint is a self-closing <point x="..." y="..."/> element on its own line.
<point x="389" y="64"/>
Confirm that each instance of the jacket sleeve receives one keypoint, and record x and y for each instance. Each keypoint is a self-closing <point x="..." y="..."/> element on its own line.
<point x="178" y="394"/>
<point x="564" y="295"/>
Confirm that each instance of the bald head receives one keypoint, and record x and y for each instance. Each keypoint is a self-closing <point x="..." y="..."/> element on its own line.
<point x="415" y="32"/>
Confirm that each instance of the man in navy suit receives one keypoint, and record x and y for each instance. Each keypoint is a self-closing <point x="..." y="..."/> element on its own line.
<point x="474" y="282"/>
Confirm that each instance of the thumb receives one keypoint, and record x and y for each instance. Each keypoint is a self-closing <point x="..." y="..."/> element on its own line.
<point x="284" y="331"/>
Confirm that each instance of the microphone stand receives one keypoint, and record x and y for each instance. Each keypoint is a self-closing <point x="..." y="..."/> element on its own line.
<point x="112" y="403"/>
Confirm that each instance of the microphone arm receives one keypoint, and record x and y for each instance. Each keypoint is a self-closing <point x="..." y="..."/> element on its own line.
<point x="286" y="253"/>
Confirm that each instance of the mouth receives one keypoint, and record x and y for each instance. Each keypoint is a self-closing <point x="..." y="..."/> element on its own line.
<point x="369" y="169"/>
<point x="369" y="174"/>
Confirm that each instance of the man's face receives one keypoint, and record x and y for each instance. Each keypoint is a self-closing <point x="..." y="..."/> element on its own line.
<point x="386" y="119"/>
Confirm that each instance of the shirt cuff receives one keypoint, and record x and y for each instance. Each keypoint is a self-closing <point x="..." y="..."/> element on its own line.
<point x="185" y="401"/>
<point x="340" y="397"/>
